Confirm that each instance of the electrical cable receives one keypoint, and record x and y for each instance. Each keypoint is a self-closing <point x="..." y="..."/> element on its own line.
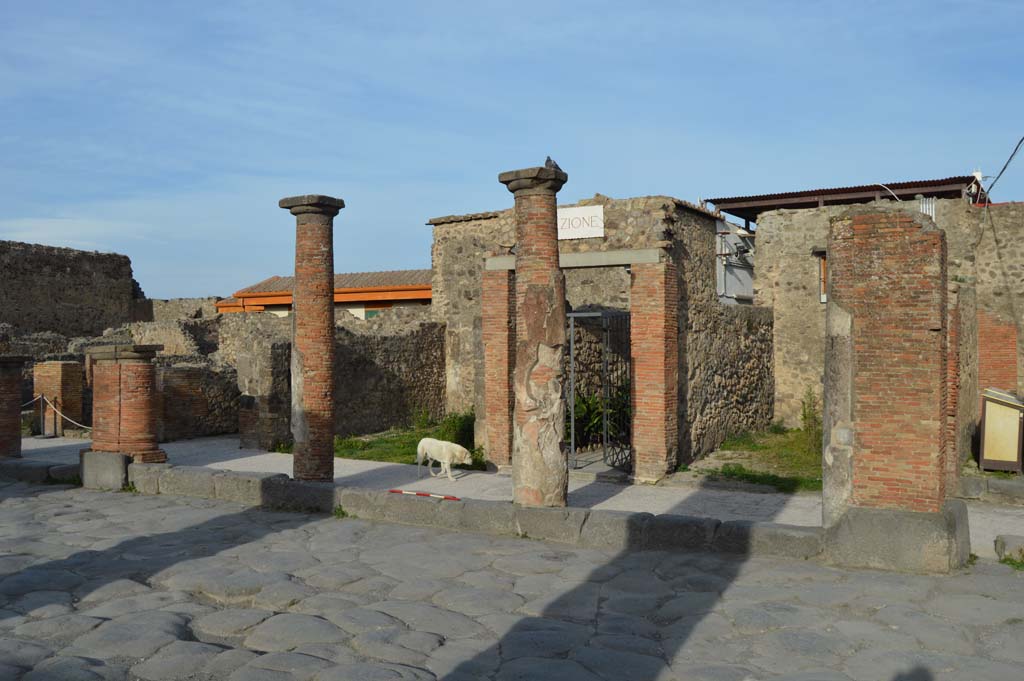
<point x="988" y="191"/>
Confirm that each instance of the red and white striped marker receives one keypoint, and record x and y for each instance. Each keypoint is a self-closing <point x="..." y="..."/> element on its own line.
<point x="445" y="497"/>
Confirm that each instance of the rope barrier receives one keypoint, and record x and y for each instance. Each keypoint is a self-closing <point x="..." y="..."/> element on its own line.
<point x="34" y="399"/>
<point x="69" y="420"/>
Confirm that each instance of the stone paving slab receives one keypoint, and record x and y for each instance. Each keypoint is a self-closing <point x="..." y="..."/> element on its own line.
<point x="986" y="520"/>
<point x="119" y="586"/>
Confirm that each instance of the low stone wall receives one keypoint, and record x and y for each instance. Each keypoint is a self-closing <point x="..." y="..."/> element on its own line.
<point x="387" y="370"/>
<point x="197" y="399"/>
<point x="179" y="336"/>
<point x="155" y="310"/>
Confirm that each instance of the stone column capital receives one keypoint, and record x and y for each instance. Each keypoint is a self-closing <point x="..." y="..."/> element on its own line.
<point x="312" y="203"/>
<point x="539" y="180"/>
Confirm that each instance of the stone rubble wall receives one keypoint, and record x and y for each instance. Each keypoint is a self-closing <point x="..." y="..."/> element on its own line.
<point x="725" y="351"/>
<point x="44" y="288"/>
<point x="197" y="399"/>
<point x="387" y="370"/>
<point x="725" y="354"/>
<point x="157" y="310"/>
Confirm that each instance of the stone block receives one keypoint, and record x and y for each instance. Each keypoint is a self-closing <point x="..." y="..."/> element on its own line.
<point x="70" y="474"/>
<point x="677" y="532"/>
<point x="243" y="487"/>
<point x="487" y="517"/>
<point x="25" y="470"/>
<point x="361" y="503"/>
<point x="614" y="530"/>
<point x="285" y="494"/>
<point x="1010" y="546"/>
<point x="748" y="537"/>
<point x="1010" y="490"/>
<point x="413" y="510"/>
<point x="146" y="476"/>
<point x="188" y="481"/>
<point x="104" y="470"/>
<point x="550" y="524"/>
<point x="905" y="541"/>
<point x="972" y="487"/>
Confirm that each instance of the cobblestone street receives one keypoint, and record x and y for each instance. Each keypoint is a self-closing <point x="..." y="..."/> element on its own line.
<point x="121" y="586"/>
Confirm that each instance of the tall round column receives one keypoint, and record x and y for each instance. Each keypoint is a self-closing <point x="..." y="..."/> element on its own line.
<point x="540" y="471"/>
<point x="313" y="335"/>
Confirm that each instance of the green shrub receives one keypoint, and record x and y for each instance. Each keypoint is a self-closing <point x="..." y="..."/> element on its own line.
<point x="284" y="447"/>
<point x="457" y="428"/>
<point x="810" y="418"/>
<point x="422" y="420"/>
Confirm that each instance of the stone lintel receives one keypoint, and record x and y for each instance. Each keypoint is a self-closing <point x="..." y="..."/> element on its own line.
<point x="312" y="203"/>
<point x="622" y="257"/>
<point x="539" y="179"/>
<point x="14" y="360"/>
<point x="118" y="352"/>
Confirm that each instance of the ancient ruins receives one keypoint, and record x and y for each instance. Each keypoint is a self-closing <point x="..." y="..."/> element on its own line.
<point x="906" y="329"/>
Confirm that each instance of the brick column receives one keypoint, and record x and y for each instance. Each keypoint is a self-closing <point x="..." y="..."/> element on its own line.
<point x="540" y="466"/>
<point x="886" y="396"/>
<point x="10" y="406"/>
<point x="124" y="401"/>
<point x="61" y="384"/>
<point x="654" y="350"/>
<point x="313" y="336"/>
<point x="499" y="334"/>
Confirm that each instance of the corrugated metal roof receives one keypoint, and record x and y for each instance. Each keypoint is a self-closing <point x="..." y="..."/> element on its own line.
<point x="895" y="186"/>
<point x="349" y="280"/>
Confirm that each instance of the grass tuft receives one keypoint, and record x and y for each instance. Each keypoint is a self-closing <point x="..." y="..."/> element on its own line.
<point x="788" y="484"/>
<point x="398" y="445"/>
<point x="340" y="513"/>
<point x="1013" y="562"/>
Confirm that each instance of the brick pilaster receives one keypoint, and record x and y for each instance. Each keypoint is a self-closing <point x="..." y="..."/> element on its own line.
<point x="540" y="469"/>
<point x="313" y="336"/>
<point x="124" y="404"/>
<point x="61" y="384"/>
<point x="499" y="333"/>
<point x="10" y="406"/>
<point x="887" y="270"/>
<point x="654" y="350"/>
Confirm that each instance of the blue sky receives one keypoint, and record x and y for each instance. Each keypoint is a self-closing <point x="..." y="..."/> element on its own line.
<point x="168" y="131"/>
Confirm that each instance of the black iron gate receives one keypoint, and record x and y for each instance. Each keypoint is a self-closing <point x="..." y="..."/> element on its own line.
<point x="597" y="389"/>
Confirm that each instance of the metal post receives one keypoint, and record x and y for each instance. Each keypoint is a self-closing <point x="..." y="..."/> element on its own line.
<point x="572" y="390"/>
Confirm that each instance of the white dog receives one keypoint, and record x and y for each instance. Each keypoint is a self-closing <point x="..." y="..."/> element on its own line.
<point x="445" y="453"/>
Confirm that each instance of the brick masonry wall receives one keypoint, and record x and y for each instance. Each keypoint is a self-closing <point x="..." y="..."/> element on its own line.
<point x="43" y="288"/>
<point x="62" y="383"/>
<point x="10" y="409"/>
<point x="888" y="272"/>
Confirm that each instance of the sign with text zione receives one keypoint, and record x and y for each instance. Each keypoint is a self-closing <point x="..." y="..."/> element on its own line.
<point x="580" y="222"/>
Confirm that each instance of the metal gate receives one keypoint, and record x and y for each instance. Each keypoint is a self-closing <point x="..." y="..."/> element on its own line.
<point x="597" y="393"/>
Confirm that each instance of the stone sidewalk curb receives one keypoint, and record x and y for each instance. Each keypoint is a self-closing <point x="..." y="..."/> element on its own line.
<point x="1000" y="490"/>
<point x="611" y="530"/>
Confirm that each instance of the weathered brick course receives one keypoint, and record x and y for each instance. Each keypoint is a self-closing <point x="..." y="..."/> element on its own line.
<point x="10" y="406"/>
